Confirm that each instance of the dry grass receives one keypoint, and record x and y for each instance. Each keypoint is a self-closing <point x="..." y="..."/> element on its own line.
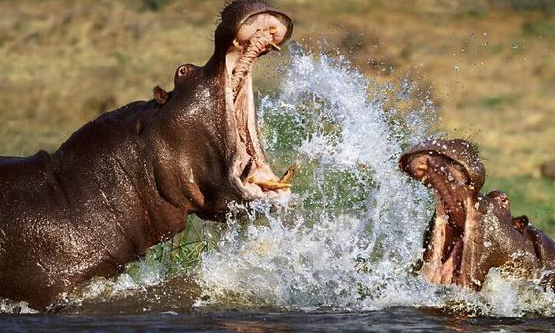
<point x="489" y="63"/>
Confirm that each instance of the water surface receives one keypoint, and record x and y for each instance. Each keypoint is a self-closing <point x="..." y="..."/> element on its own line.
<point x="390" y="320"/>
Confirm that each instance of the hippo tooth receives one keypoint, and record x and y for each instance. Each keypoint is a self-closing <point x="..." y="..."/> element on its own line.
<point x="273" y="30"/>
<point x="289" y="175"/>
<point x="236" y="43"/>
<point x="275" y="46"/>
<point x="271" y="185"/>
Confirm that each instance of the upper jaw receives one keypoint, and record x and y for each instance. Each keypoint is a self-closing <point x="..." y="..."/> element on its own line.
<point x="257" y="35"/>
<point x="449" y="180"/>
<point x="464" y="153"/>
<point x="250" y="174"/>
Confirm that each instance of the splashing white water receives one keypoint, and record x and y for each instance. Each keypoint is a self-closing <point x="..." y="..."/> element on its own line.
<point x="353" y="231"/>
<point x="356" y="229"/>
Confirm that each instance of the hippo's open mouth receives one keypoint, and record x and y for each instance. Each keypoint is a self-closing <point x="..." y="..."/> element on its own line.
<point x="456" y="176"/>
<point x="257" y="35"/>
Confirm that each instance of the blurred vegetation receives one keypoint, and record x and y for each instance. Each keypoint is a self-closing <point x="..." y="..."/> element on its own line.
<point x="487" y="64"/>
<point x="184" y="251"/>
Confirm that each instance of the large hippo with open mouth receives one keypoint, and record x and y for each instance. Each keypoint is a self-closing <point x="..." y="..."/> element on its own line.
<point x="470" y="232"/>
<point x="128" y="180"/>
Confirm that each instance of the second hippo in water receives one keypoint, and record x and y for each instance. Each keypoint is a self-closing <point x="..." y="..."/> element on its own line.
<point x="471" y="233"/>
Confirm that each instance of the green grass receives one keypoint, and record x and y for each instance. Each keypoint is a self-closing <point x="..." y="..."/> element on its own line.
<point x="495" y="101"/>
<point x="534" y="197"/>
<point x="544" y="28"/>
<point x="528" y="5"/>
<point x="184" y="251"/>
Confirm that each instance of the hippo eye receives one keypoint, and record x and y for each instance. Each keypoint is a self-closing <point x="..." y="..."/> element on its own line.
<point x="182" y="70"/>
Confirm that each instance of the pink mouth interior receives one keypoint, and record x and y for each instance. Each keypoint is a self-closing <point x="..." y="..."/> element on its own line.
<point x="257" y="35"/>
<point x="443" y="255"/>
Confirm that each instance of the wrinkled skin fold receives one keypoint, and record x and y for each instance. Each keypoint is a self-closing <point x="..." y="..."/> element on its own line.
<point x="128" y="180"/>
<point x="471" y="233"/>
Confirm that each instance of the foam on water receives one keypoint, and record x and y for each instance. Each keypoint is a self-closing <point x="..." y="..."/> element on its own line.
<point x="350" y="236"/>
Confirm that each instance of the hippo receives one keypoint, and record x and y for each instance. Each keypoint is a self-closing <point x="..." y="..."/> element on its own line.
<point x="128" y="179"/>
<point x="471" y="233"/>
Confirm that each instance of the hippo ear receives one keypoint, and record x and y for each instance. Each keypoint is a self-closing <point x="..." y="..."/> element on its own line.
<point x="160" y="95"/>
<point x="521" y="223"/>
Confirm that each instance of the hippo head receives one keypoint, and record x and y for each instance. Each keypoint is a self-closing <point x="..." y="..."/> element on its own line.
<point x="452" y="168"/>
<point x="469" y="233"/>
<point x="207" y="126"/>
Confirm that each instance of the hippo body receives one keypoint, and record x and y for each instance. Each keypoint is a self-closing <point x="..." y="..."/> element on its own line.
<point x="79" y="212"/>
<point x="471" y="233"/>
<point x="128" y="179"/>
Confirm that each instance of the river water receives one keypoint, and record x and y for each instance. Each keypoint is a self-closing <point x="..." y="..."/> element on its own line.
<point x="391" y="320"/>
<point x="339" y="255"/>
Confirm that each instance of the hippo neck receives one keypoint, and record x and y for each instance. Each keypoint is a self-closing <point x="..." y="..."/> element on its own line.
<point x="203" y="139"/>
<point x="107" y="169"/>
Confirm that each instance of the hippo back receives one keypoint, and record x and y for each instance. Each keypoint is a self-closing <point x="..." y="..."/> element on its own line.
<point x="74" y="214"/>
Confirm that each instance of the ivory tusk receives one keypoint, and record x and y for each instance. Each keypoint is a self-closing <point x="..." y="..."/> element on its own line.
<point x="289" y="175"/>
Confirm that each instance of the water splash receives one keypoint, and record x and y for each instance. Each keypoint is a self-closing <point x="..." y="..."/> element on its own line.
<point x="355" y="230"/>
<point x="350" y="236"/>
<point x="8" y="306"/>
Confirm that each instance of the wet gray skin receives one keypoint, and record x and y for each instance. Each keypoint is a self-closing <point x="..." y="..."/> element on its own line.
<point x="471" y="233"/>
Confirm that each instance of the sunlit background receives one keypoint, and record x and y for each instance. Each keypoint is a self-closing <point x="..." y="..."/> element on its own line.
<point x="488" y="65"/>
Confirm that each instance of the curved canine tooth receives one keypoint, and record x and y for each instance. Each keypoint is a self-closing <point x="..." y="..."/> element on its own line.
<point x="270" y="185"/>
<point x="289" y="175"/>
<point x="236" y="43"/>
<point x="274" y="46"/>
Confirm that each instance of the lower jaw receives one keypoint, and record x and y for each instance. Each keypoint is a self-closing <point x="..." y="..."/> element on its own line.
<point x="445" y="268"/>
<point x="254" y="179"/>
<point x="255" y="174"/>
<point x="259" y="180"/>
<point x="446" y="273"/>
